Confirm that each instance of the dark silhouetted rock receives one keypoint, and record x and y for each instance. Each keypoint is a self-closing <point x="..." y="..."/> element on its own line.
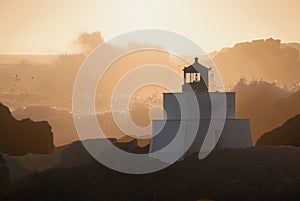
<point x="4" y="180"/>
<point x="24" y="136"/>
<point x="67" y="156"/>
<point x="259" y="173"/>
<point x="62" y="123"/>
<point x="287" y="134"/>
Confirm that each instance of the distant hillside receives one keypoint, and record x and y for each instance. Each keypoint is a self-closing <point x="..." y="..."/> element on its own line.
<point x="24" y="136"/>
<point x="267" y="59"/>
<point x="267" y="105"/>
<point x="287" y="134"/>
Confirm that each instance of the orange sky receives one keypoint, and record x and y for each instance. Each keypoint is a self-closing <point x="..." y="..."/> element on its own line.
<point x="42" y="27"/>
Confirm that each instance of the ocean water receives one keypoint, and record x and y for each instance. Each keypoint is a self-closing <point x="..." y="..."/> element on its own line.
<point x="34" y="59"/>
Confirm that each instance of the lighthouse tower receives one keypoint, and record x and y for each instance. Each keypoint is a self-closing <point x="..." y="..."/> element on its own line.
<point x="195" y="77"/>
<point x="180" y="113"/>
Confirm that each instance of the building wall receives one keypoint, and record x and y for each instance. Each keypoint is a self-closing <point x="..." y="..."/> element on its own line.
<point x="236" y="134"/>
<point x="179" y="105"/>
<point x="177" y="129"/>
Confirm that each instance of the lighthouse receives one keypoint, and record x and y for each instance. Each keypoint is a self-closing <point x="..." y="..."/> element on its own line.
<point x="180" y="115"/>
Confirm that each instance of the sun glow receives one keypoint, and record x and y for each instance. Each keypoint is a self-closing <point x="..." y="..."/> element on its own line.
<point x="50" y="27"/>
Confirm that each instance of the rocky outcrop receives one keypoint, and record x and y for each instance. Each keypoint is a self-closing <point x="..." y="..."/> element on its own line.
<point x="67" y="156"/>
<point x="62" y="123"/>
<point x="259" y="173"/>
<point x="24" y="136"/>
<point x="4" y="180"/>
<point x="287" y="134"/>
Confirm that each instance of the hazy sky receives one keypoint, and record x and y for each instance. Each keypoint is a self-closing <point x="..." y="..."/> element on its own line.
<point x="34" y="26"/>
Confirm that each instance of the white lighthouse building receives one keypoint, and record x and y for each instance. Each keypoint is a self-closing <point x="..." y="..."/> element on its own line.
<point x="180" y="114"/>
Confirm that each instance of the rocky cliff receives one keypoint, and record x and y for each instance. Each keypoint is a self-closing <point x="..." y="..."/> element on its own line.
<point x="18" y="137"/>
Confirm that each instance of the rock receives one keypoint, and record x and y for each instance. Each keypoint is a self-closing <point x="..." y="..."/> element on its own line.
<point x="24" y="136"/>
<point x="286" y="135"/>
